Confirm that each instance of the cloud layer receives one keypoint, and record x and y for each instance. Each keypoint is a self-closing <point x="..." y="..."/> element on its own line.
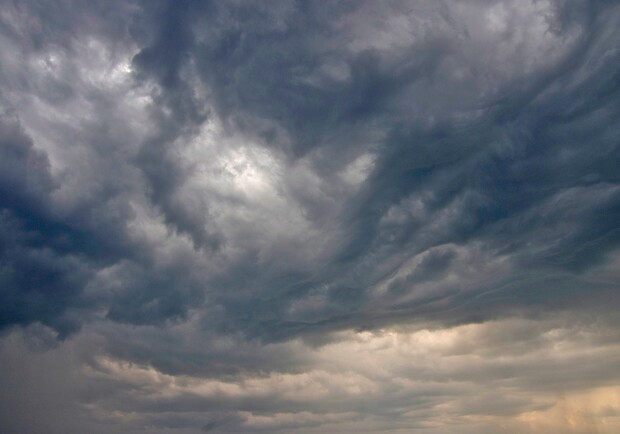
<point x="309" y="216"/>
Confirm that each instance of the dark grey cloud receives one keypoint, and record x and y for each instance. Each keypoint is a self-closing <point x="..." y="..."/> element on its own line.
<point x="208" y="201"/>
<point x="40" y="278"/>
<point x="261" y="69"/>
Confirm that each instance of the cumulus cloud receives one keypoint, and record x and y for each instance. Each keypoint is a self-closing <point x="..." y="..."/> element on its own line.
<point x="310" y="216"/>
<point x="512" y="375"/>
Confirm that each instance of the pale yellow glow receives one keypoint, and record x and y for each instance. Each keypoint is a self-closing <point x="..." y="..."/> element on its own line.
<point x="465" y="364"/>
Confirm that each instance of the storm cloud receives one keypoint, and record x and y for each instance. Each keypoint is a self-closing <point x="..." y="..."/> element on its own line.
<point x="305" y="217"/>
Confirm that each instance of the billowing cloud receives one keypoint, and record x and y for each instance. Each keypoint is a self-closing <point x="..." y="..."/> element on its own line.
<point x="309" y="216"/>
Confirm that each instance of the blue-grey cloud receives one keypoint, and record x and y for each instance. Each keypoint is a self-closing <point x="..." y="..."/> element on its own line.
<point x="220" y="195"/>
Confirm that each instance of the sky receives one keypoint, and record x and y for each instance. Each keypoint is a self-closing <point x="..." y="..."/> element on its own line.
<point x="310" y="216"/>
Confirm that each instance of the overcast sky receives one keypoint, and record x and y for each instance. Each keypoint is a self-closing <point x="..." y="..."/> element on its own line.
<point x="310" y="216"/>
